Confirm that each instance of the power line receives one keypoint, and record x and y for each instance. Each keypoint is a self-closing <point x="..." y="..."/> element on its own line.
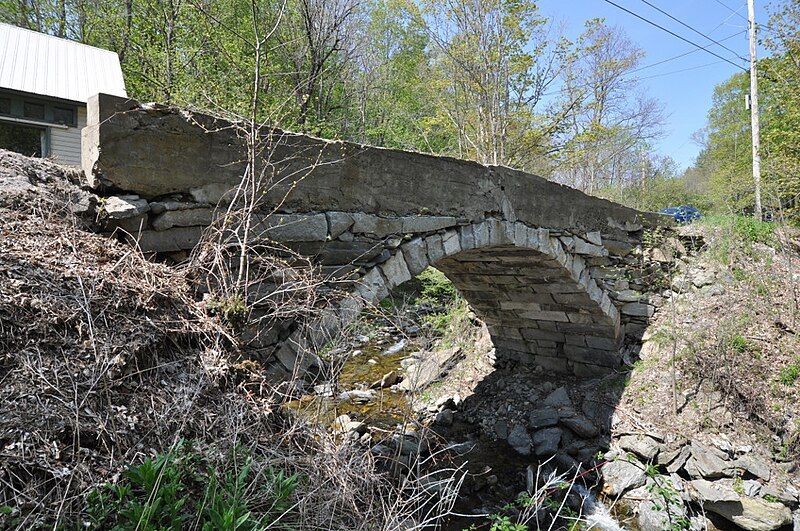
<point x="682" y="70"/>
<point x="729" y="8"/>
<point x="684" y="39"/>
<point x="657" y="63"/>
<point x="682" y="23"/>
<point x="684" y="54"/>
<point x="766" y="27"/>
<point x="724" y="22"/>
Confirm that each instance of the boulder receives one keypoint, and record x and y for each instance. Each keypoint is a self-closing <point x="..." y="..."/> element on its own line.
<point x="501" y="429"/>
<point x="213" y="193"/>
<point x="751" y="488"/>
<point x="704" y="491"/>
<point x="519" y="440"/>
<point x="580" y="425"/>
<point x="627" y="295"/>
<point x="293" y="227"/>
<point x="703" y="277"/>
<point x="566" y="463"/>
<point x="444" y="417"/>
<point x="645" y="447"/>
<point x="681" y="284"/>
<point x="543" y="418"/>
<point x="546" y="441"/>
<point x="637" y="309"/>
<point x="597" y="410"/>
<point x="779" y="490"/>
<point x="659" y="514"/>
<point x="344" y="424"/>
<point x="125" y="206"/>
<point x="389" y="379"/>
<point x="661" y="255"/>
<point x="375" y="225"/>
<point x="339" y="222"/>
<point x="407" y="446"/>
<point x="558" y="398"/>
<point x="189" y="217"/>
<point x="700" y="522"/>
<point x="358" y="396"/>
<point x="622" y="475"/>
<point x="754" y="465"/>
<point x="675" y="461"/>
<point x="706" y="462"/>
<point x="584" y="247"/>
<point x="412" y="224"/>
<point x="753" y="514"/>
<point x="594" y="237"/>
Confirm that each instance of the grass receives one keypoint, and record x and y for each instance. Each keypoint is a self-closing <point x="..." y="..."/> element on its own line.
<point x="436" y="287"/>
<point x="180" y="489"/>
<point x="791" y="373"/>
<point x="741" y="344"/>
<point x="737" y="234"/>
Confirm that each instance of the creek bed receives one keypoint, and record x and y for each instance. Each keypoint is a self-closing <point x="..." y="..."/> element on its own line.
<point x="384" y="411"/>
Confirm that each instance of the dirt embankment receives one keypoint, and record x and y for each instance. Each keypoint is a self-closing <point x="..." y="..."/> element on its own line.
<point x="108" y="359"/>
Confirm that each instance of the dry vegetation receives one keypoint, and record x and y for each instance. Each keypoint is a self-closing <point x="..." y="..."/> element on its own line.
<point x="107" y="360"/>
<point x="735" y="342"/>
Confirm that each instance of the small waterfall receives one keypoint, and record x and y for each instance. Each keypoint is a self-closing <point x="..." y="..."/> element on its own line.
<point x="595" y="513"/>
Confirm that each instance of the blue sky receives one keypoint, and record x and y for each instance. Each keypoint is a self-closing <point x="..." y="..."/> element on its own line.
<point x="686" y="95"/>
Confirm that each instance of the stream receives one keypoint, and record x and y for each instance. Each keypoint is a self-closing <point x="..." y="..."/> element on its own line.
<point x="368" y="391"/>
<point x="354" y="393"/>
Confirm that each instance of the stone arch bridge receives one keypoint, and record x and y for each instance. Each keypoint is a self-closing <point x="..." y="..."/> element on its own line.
<point x="559" y="277"/>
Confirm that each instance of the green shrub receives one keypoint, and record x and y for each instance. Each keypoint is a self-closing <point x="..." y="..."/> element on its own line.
<point x="737" y="234"/>
<point x="178" y="490"/>
<point x="436" y="287"/>
<point x="740" y="274"/>
<point x="504" y="523"/>
<point x="232" y="309"/>
<point x="789" y="374"/>
<point x="753" y="231"/>
<point x="453" y="324"/>
<point x="740" y="344"/>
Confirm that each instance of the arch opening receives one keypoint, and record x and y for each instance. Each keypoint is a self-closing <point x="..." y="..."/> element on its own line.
<point x="538" y="301"/>
<point x="534" y="311"/>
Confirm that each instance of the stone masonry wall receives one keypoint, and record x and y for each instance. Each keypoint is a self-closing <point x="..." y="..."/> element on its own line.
<point x="559" y="277"/>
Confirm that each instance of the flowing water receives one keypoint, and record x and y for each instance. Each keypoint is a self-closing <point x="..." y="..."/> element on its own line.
<point x="384" y="409"/>
<point x="351" y="394"/>
<point x="595" y="512"/>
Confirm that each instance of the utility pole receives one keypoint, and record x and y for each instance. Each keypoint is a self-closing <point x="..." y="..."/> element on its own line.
<point x="643" y="181"/>
<point x="754" y="123"/>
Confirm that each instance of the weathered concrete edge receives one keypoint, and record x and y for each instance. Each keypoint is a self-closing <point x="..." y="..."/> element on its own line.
<point x="475" y="191"/>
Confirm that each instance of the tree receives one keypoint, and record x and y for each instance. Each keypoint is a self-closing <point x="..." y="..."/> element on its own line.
<point x="392" y="78"/>
<point x="614" y="120"/>
<point x="723" y="168"/>
<point x="781" y="134"/>
<point x="497" y="59"/>
<point x="317" y="46"/>
<point x="724" y="162"/>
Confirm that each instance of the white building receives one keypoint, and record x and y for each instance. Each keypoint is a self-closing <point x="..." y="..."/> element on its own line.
<point x="44" y="84"/>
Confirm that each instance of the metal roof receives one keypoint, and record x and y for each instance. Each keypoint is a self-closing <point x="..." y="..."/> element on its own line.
<point x="49" y="66"/>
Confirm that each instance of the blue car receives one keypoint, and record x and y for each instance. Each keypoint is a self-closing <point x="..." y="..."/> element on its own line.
<point x="683" y="213"/>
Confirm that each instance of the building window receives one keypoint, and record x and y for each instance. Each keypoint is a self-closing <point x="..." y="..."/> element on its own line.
<point x="38" y="110"/>
<point x="22" y="139"/>
<point x="63" y="116"/>
<point x="33" y="110"/>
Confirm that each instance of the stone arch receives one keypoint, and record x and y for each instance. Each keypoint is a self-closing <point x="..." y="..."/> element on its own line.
<point x="538" y="300"/>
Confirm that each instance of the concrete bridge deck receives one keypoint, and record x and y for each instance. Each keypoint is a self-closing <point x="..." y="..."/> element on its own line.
<point x="558" y="276"/>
